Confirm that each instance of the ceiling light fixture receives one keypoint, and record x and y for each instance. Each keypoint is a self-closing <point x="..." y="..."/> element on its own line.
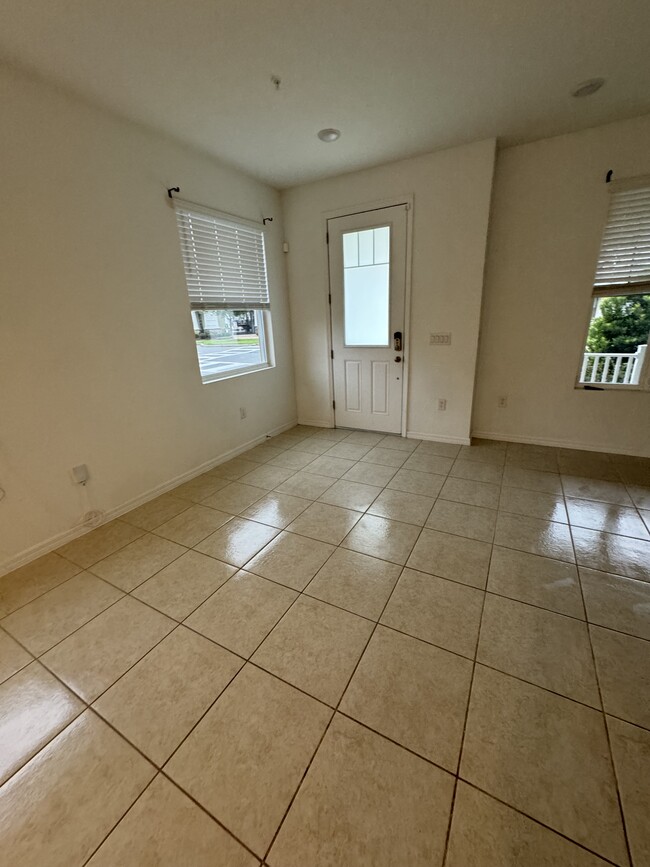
<point x="329" y="134"/>
<point x="588" y="87"/>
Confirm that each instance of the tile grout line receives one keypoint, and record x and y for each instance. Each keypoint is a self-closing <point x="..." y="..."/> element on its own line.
<point x="119" y="821"/>
<point x="619" y="800"/>
<point x="538" y="822"/>
<point x="344" y="690"/>
<point x="467" y="707"/>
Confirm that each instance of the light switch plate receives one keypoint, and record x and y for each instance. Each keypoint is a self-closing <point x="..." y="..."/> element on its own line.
<point x="442" y="338"/>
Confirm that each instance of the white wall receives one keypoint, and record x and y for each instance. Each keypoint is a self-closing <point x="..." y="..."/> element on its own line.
<point x="549" y="208"/>
<point x="97" y="357"/>
<point x="451" y="191"/>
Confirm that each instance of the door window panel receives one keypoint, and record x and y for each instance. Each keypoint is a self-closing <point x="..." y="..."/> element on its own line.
<point x="366" y="287"/>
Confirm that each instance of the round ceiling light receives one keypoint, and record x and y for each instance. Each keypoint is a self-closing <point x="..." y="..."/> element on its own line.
<point x="329" y="134"/>
<point x="588" y="87"/>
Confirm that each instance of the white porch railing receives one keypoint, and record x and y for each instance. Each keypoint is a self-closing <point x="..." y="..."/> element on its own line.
<point x="613" y="368"/>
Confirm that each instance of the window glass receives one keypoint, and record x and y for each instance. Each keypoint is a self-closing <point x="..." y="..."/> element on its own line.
<point x="617" y="340"/>
<point x="366" y="287"/>
<point x="228" y="341"/>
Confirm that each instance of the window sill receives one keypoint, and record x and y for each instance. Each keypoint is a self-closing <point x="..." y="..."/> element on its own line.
<point x="587" y="386"/>
<point x="232" y="374"/>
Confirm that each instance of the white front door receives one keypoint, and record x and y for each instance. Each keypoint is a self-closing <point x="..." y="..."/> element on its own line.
<point x="367" y="259"/>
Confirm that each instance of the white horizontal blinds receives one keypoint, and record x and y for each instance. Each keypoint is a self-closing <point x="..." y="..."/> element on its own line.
<point x="225" y="265"/>
<point x="624" y="261"/>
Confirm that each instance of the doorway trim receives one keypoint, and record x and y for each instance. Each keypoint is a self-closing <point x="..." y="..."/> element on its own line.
<point x="349" y="211"/>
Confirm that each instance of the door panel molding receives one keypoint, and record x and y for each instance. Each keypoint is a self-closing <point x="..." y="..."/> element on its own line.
<point x="380" y="385"/>
<point x="352" y="374"/>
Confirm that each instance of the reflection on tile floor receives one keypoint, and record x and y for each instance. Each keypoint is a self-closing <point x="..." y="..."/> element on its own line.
<point x="340" y="649"/>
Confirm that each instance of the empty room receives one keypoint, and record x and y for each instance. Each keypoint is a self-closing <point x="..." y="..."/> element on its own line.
<point x="325" y="433"/>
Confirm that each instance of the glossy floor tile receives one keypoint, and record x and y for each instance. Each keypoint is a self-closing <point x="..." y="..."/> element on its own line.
<point x="156" y="703"/>
<point x="34" y="707"/>
<point x="165" y="827"/>
<point x="449" y="556"/>
<point x="412" y="692"/>
<point x="183" y="585"/>
<point x="59" y="612"/>
<point x="553" y="650"/>
<point x="241" y="614"/>
<point x="340" y="648"/>
<point x="61" y="805"/>
<point x="376" y="805"/>
<point x="486" y="833"/>
<point x="381" y="537"/>
<point x="30" y="581"/>
<point x="315" y="647"/>
<point x="546" y="756"/>
<point x="631" y="751"/>
<point x="192" y="525"/>
<point x="537" y="580"/>
<point x="325" y="523"/>
<point x="617" y="602"/>
<point x="237" y="541"/>
<point x="13" y="657"/>
<point x="623" y="664"/>
<point x="244" y="761"/>
<point x="473" y="522"/>
<point x="99" y="543"/>
<point x="356" y="582"/>
<point x="442" y="612"/>
<point x="291" y="560"/>
<point x="93" y="657"/>
<point x="138" y="561"/>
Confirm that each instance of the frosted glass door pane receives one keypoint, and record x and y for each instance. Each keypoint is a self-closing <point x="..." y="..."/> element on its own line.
<point x="366" y="287"/>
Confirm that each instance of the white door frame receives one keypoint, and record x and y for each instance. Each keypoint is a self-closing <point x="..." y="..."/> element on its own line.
<point x="349" y="211"/>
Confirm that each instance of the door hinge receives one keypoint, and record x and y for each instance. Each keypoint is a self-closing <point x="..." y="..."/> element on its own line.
<point x="331" y="353"/>
<point x="333" y="404"/>
<point x="329" y="298"/>
<point x="327" y="237"/>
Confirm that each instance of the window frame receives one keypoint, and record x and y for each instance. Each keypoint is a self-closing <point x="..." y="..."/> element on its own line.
<point x="621" y="290"/>
<point x="265" y="341"/>
<point x="232" y="301"/>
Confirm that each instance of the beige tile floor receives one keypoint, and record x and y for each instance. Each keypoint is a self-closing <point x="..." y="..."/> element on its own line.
<point x="340" y="649"/>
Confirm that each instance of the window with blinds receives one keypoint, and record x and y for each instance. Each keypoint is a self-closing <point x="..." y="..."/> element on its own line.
<point x="615" y="354"/>
<point x="225" y="272"/>
<point x="224" y="260"/>
<point x="624" y="260"/>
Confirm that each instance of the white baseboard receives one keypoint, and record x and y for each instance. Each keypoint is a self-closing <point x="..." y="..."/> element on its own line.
<point x="56" y="541"/>
<point x="414" y="435"/>
<point x="314" y="422"/>
<point x="562" y="444"/>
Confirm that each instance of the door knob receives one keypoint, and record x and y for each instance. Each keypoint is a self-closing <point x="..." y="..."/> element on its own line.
<point x="398" y="358"/>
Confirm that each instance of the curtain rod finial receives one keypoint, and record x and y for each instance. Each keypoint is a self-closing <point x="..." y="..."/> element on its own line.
<point x="173" y="190"/>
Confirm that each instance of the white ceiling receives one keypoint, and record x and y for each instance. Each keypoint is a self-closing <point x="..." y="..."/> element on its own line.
<point x="398" y="77"/>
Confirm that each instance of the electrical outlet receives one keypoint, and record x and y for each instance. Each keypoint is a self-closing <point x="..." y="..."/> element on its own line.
<point x="442" y="404"/>
<point x="242" y="412"/>
<point x="502" y="402"/>
<point x="79" y="474"/>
